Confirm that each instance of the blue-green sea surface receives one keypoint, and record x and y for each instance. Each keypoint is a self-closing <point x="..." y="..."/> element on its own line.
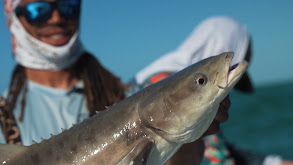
<point x="262" y="122"/>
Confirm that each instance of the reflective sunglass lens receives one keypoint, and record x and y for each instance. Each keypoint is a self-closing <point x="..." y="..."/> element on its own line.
<point x="69" y="9"/>
<point x="38" y="12"/>
<point x="41" y="12"/>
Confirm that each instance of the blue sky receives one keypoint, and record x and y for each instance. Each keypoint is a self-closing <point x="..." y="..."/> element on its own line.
<point x="128" y="35"/>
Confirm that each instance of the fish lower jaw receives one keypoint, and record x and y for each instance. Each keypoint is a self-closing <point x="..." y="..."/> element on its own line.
<point x="237" y="72"/>
<point x="231" y="80"/>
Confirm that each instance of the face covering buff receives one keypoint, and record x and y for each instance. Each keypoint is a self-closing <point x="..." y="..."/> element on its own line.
<point x="32" y="53"/>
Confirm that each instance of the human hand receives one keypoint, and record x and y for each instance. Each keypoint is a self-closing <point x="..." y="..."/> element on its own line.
<point x="188" y="154"/>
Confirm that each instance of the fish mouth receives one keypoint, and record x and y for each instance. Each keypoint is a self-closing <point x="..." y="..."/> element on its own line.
<point x="228" y="76"/>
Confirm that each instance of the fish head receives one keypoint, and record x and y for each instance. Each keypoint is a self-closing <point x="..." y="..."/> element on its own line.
<point x="184" y="109"/>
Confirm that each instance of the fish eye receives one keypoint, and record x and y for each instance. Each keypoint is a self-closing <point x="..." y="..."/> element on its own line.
<point x="200" y="79"/>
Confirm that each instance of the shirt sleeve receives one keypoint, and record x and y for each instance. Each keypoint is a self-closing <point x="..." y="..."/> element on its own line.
<point x="2" y="139"/>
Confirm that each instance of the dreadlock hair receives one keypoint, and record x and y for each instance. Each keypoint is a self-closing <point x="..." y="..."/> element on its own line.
<point x="101" y="87"/>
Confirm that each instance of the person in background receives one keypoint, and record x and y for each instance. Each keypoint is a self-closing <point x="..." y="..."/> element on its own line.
<point x="51" y="85"/>
<point x="213" y="36"/>
<point x="56" y="82"/>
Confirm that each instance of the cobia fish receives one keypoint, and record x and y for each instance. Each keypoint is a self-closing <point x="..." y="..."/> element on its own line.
<point x="145" y="128"/>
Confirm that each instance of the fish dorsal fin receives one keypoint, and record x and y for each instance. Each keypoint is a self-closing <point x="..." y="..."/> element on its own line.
<point x="8" y="151"/>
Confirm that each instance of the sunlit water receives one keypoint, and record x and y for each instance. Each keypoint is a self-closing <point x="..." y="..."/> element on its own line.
<point x="262" y="122"/>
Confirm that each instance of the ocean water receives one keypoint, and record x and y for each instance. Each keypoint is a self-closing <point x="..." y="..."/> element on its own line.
<point x="262" y="122"/>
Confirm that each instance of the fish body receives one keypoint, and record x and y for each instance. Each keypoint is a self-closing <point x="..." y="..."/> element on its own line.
<point x="145" y="128"/>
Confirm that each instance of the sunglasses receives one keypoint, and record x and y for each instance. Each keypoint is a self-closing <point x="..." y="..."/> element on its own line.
<point x="41" y="11"/>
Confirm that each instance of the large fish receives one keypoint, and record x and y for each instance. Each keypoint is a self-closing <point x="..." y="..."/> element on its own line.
<point x="147" y="127"/>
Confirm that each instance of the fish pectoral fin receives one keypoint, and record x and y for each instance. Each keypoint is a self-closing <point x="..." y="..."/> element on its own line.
<point x="139" y="154"/>
<point x="8" y="151"/>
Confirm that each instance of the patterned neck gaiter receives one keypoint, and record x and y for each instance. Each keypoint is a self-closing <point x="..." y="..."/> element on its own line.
<point x="32" y="53"/>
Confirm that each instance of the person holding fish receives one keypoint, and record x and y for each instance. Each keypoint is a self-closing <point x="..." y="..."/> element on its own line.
<point x="56" y="82"/>
<point x="213" y="36"/>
